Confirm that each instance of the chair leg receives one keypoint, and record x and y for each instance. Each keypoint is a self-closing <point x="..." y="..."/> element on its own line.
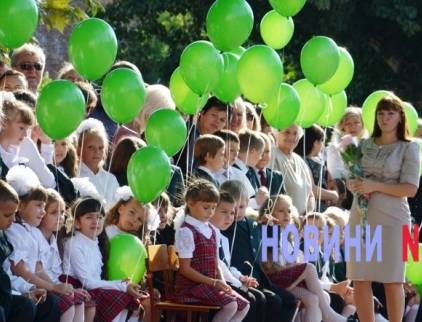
<point x="189" y="314"/>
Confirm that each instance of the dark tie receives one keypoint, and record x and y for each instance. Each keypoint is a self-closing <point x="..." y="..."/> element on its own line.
<point x="262" y="178"/>
<point x="221" y="254"/>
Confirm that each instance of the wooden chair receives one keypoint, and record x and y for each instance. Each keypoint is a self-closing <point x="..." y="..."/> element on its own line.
<point x="163" y="258"/>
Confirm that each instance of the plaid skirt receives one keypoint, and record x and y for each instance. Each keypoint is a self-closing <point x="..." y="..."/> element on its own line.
<point x="108" y="303"/>
<point x="207" y="295"/>
<point x="67" y="301"/>
<point x="288" y="276"/>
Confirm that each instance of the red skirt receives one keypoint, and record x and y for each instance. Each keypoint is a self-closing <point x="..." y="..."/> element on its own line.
<point x="108" y="303"/>
<point x="288" y="276"/>
<point x="67" y="301"/>
<point x="207" y="295"/>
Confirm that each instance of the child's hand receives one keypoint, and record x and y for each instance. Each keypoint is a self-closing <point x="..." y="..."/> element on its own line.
<point x="62" y="288"/>
<point x="341" y="288"/>
<point x="84" y="293"/>
<point x="261" y="195"/>
<point x="248" y="281"/>
<point x="220" y="285"/>
<point x="38" y="295"/>
<point x="136" y="292"/>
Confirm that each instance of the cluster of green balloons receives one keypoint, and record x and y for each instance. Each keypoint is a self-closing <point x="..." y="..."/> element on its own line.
<point x="127" y="258"/>
<point x="19" y="20"/>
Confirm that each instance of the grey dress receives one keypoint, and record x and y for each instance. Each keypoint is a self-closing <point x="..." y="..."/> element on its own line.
<point x="392" y="163"/>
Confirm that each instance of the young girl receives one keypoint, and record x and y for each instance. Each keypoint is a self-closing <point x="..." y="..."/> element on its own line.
<point x="83" y="262"/>
<point x="290" y="276"/>
<point x="15" y="145"/>
<point x="127" y="216"/>
<point x="65" y="156"/>
<point x="92" y="150"/>
<point x="26" y="260"/>
<point x="198" y="278"/>
<point x="164" y="234"/>
<point x="50" y="255"/>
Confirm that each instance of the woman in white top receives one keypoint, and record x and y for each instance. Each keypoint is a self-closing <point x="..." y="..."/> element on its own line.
<point x="92" y="150"/>
<point x="83" y="263"/>
<point x="298" y="182"/>
<point x="17" y="148"/>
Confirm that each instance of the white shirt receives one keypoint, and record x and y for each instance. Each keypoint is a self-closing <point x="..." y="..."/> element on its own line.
<point x="105" y="182"/>
<point x="25" y="248"/>
<point x="242" y="166"/>
<point x="50" y="257"/>
<point x="184" y="242"/>
<point x="112" y="230"/>
<point x="335" y="164"/>
<point x="232" y="173"/>
<point x="82" y="260"/>
<point x="228" y="275"/>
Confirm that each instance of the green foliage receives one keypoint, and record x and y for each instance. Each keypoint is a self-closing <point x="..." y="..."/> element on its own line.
<point x="381" y="35"/>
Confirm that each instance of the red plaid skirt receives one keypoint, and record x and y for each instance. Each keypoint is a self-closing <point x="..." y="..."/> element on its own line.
<point x="67" y="301"/>
<point x="207" y="295"/>
<point x="288" y="276"/>
<point x="108" y="303"/>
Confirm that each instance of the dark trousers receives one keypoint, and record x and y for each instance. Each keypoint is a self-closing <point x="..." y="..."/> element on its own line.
<point x="257" y="304"/>
<point x="281" y="304"/>
<point x="22" y="309"/>
<point x="419" y="316"/>
<point x="2" y="316"/>
<point x="49" y="310"/>
<point x="289" y="301"/>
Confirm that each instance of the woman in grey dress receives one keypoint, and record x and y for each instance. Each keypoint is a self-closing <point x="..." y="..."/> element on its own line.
<point x="391" y="166"/>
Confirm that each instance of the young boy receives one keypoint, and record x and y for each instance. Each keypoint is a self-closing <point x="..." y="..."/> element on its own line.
<point x="244" y="285"/>
<point x="13" y="80"/>
<point x="232" y="146"/>
<point x="209" y="153"/>
<point x="245" y="240"/>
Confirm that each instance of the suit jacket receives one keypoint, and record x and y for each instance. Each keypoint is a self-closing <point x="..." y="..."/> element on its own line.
<point x="272" y="176"/>
<point x="176" y="187"/>
<point x="199" y="173"/>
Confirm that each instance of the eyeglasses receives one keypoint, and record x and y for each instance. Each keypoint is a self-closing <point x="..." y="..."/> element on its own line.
<point x="29" y="66"/>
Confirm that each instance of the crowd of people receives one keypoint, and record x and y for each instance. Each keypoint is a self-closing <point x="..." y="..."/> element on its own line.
<point x="61" y="202"/>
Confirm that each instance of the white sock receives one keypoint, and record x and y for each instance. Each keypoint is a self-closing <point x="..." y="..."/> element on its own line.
<point x="380" y="318"/>
<point x="226" y="313"/>
<point x="348" y="310"/>
<point x="312" y="312"/>
<point x="79" y="313"/>
<point x="239" y="315"/>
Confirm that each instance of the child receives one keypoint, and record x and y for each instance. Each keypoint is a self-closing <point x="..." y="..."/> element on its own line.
<point x="223" y="218"/>
<point x="92" y="150"/>
<point x="13" y="308"/>
<point x="65" y="157"/>
<point x="245" y="247"/>
<point x="165" y="231"/>
<point x="15" y="145"/>
<point x="290" y="276"/>
<point x="198" y="278"/>
<point x="26" y="260"/>
<point x="50" y="257"/>
<point x="83" y="264"/>
<point x="231" y="143"/>
<point x="12" y="80"/>
<point x="128" y="215"/>
<point x="209" y="153"/>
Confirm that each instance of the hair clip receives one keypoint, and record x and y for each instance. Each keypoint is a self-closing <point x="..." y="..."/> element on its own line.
<point x="124" y="193"/>
<point x="22" y="179"/>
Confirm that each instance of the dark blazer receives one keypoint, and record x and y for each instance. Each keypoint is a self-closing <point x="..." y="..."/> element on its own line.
<point x="3" y="170"/>
<point x="199" y="173"/>
<point x="5" y="287"/>
<point x="63" y="184"/>
<point x="273" y="176"/>
<point x="176" y="187"/>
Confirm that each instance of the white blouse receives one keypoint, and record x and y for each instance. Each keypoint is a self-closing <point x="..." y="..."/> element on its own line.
<point x="50" y="257"/>
<point x="105" y="182"/>
<point x="27" y="153"/>
<point x="112" y="230"/>
<point x="82" y="260"/>
<point x="184" y="242"/>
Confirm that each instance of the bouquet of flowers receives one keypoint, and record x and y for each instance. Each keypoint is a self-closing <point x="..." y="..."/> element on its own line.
<point x="351" y="156"/>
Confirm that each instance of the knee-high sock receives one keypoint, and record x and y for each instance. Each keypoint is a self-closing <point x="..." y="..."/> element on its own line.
<point x="226" y="313"/>
<point x="312" y="312"/>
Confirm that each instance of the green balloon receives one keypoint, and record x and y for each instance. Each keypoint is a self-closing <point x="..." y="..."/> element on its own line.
<point x="238" y="51"/>
<point x="276" y="30"/>
<point x="343" y="75"/>
<point x="319" y="59"/>
<point x="148" y="173"/>
<point x="201" y="66"/>
<point x="414" y="268"/>
<point x="287" y="8"/>
<point x="411" y="118"/>
<point x="259" y="73"/>
<point x="334" y="109"/>
<point x="312" y="103"/>
<point x="123" y="95"/>
<point x="92" y="48"/>
<point x="368" y="108"/>
<point x="229" y="23"/>
<point x="60" y="109"/>
<point x="127" y="258"/>
<point x="227" y="89"/>
<point x="283" y="108"/>
<point x="185" y="99"/>
<point x="167" y="130"/>
<point x="19" y="20"/>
